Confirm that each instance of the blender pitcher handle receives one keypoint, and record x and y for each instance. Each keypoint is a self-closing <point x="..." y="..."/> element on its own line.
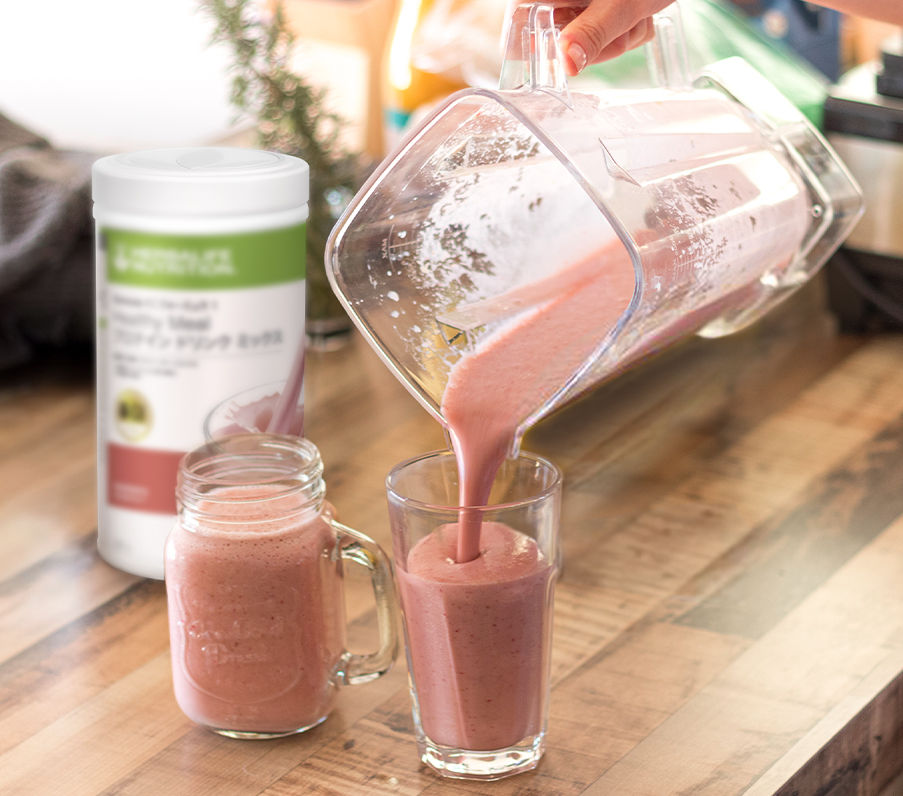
<point x="667" y="51"/>
<point x="534" y="59"/>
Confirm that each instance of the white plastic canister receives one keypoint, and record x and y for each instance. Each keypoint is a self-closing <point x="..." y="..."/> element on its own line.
<point x="200" y="296"/>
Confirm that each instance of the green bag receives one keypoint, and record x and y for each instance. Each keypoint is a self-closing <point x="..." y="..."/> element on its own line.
<point x="714" y="30"/>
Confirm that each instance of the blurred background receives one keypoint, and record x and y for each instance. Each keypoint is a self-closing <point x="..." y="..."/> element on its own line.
<point x="123" y="74"/>
<point x="113" y="74"/>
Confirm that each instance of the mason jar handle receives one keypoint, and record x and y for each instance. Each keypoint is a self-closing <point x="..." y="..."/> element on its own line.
<point x="534" y="60"/>
<point x="354" y="669"/>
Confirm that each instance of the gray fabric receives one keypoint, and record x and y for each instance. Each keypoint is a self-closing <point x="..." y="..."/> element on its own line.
<point x="46" y="246"/>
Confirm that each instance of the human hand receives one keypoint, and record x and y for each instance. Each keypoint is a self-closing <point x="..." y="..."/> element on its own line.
<point x="606" y="29"/>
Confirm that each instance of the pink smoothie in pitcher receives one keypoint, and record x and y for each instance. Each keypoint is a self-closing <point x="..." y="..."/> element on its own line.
<point x="479" y="636"/>
<point x="520" y="367"/>
<point x="256" y="618"/>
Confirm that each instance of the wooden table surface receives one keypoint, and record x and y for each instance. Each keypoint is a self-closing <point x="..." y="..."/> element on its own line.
<point x="729" y="617"/>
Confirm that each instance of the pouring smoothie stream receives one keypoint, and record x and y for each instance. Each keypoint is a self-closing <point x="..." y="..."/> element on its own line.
<point x="492" y="390"/>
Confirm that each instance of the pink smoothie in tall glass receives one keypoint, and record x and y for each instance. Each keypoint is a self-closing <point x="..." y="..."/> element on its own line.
<point x="256" y="618"/>
<point x="479" y="635"/>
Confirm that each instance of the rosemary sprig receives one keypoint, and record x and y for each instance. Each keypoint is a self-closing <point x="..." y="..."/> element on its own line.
<point x="291" y="118"/>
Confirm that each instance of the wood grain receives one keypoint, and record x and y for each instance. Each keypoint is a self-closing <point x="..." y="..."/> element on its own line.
<point x="729" y="617"/>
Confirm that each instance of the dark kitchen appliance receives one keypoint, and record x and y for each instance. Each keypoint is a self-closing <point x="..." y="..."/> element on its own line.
<point x="864" y="122"/>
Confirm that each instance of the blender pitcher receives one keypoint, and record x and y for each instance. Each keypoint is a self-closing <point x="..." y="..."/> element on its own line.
<point x="690" y="207"/>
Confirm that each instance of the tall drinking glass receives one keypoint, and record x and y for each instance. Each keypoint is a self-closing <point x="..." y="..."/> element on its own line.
<point x="478" y="634"/>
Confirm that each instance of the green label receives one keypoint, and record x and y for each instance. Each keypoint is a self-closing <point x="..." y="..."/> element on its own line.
<point x="198" y="262"/>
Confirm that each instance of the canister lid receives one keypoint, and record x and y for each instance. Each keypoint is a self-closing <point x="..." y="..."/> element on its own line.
<point x="200" y="181"/>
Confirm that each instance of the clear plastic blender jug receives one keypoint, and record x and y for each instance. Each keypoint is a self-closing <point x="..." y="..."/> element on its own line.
<point x="700" y="206"/>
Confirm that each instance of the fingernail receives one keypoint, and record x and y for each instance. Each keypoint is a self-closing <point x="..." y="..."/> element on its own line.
<point x="577" y="55"/>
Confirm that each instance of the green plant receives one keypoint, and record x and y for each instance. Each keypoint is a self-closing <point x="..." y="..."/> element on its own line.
<point x="291" y="117"/>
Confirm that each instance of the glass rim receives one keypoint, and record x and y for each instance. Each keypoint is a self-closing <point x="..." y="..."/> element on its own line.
<point x="210" y="462"/>
<point x="539" y="496"/>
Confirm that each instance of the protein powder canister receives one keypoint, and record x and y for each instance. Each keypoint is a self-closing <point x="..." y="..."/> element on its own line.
<point x="200" y="296"/>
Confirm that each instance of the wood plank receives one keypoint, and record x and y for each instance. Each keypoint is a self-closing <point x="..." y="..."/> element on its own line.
<point x="630" y="569"/>
<point x="202" y="762"/>
<point x="776" y="691"/>
<point x="34" y="411"/>
<point x="792" y="554"/>
<point x="29" y="610"/>
<point x="46" y="516"/>
<point x="856" y="748"/>
<point x="100" y="740"/>
<point x="63" y="670"/>
<point x="47" y="463"/>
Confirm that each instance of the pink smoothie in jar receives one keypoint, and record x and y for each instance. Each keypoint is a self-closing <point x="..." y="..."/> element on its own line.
<point x="256" y="613"/>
